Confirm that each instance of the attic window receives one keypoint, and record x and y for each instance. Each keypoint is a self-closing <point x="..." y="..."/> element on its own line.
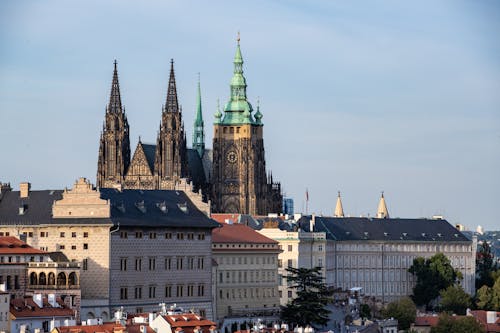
<point x="439" y="235"/>
<point x="22" y="209"/>
<point x="405" y="234"/>
<point x="366" y="233"/>
<point x="183" y="207"/>
<point x="456" y="235"/>
<point x="423" y="234"/>
<point x="162" y="206"/>
<point x="386" y="234"/>
<point x="347" y="233"/>
<point x="140" y="206"/>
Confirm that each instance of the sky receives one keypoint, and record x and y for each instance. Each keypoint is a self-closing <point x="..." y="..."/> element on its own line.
<point x="357" y="96"/>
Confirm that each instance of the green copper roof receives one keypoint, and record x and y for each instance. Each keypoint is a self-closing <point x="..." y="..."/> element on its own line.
<point x="238" y="110"/>
<point x="198" y="133"/>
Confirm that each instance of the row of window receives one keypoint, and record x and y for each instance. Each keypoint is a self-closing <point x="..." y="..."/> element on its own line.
<point x="247" y="293"/>
<point x="189" y="290"/>
<point x="167" y="235"/>
<point x="62" y="234"/>
<point x="85" y="246"/>
<point x="19" y="259"/>
<point x="169" y="263"/>
<point x="245" y="260"/>
<point x="247" y="276"/>
<point x="245" y="245"/>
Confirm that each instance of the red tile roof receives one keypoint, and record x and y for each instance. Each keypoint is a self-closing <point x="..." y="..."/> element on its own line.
<point x="238" y="233"/>
<point x="12" y="245"/>
<point x="481" y="316"/>
<point x="426" y="321"/>
<point x="136" y="328"/>
<point x="187" y="322"/>
<point x="104" y="328"/>
<point x="222" y="218"/>
<point x="26" y="308"/>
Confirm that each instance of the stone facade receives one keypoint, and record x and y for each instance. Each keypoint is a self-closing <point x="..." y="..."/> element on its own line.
<point x="299" y="249"/>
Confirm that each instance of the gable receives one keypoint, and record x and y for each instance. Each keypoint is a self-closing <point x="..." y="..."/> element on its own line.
<point x="140" y="164"/>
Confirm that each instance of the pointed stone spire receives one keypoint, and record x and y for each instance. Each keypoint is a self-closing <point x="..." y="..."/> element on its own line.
<point x="339" y="210"/>
<point x="171" y="104"/>
<point x="382" y="212"/>
<point x="199" y="134"/>
<point x="115" y="102"/>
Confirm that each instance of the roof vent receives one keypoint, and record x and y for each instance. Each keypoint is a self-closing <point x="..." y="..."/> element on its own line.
<point x="456" y="235"/>
<point x="183" y="207"/>
<point x="405" y="234"/>
<point x="386" y="234"/>
<point x="439" y="234"/>
<point x="162" y="206"/>
<point x="347" y="233"/>
<point x="140" y="206"/>
<point x="423" y="234"/>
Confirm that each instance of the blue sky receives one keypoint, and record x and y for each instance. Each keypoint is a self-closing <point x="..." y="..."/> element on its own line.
<point x="357" y="96"/>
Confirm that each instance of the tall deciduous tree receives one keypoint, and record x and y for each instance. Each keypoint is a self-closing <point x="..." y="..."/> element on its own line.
<point x="309" y="307"/>
<point x="448" y="324"/>
<point x="433" y="275"/>
<point x="404" y="310"/>
<point x="455" y="300"/>
<point x="484" y="266"/>
<point x="489" y="298"/>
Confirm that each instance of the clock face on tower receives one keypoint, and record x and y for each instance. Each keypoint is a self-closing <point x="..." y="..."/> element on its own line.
<point x="232" y="157"/>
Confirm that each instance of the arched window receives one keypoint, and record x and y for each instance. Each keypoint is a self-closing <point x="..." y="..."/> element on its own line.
<point x="33" y="279"/>
<point x="42" y="278"/>
<point x="61" y="279"/>
<point x="52" y="279"/>
<point x="72" y="279"/>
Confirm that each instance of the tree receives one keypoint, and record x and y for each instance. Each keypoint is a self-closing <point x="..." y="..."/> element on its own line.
<point x="455" y="299"/>
<point x="365" y="311"/>
<point x="448" y="324"/>
<point x="489" y="298"/>
<point x="484" y="266"/>
<point x="309" y="307"/>
<point x="433" y="275"/>
<point x="404" y="310"/>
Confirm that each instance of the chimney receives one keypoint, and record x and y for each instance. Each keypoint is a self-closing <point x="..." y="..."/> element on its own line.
<point x="24" y="189"/>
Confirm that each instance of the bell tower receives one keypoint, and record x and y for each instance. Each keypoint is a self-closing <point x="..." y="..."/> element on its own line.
<point x="239" y="180"/>
<point x="114" y="148"/>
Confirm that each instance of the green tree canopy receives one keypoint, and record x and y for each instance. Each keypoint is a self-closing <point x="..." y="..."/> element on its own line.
<point x="489" y="298"/>
<point x="309" y="307"/>
<point x="433" y="275"/>
<point x="484" y="266"/>
<point x="404" y="310"/>
<point x="455" y="300"/>
<point x="449" y="324"/>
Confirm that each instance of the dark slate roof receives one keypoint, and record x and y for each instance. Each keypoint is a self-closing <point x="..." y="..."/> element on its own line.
<point x="58" y="257"/>
<point x="149" y="151"/>
<point x="38" y="209"/>
<point x="126" y="209"/>
<point x="364" y="228"/>
<point x="195" y="167"/>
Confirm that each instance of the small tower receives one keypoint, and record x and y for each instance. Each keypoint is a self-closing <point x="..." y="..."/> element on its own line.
<point x="114" y="148"/>
<point x="339" y="211"/>
<point x="382" y="212"/>
<point x="199" y="134"/>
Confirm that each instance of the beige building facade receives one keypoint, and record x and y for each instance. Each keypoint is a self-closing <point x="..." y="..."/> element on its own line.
<point x="246" y="272"/>
<point x="112" y="232"/>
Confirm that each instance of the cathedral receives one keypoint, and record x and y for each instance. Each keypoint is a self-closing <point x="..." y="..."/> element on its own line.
<point x="232" y="176"/>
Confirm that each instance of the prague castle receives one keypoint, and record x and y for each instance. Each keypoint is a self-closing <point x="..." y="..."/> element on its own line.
<point x="232" y="176"/>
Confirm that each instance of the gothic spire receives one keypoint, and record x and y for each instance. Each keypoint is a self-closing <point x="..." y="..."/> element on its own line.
<point x="382" y="212"/>
<point x="199" y="135"/>
<point x="115" y="102"/>
<point x="339" y="210"/>
<point x="171" y="104"/>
